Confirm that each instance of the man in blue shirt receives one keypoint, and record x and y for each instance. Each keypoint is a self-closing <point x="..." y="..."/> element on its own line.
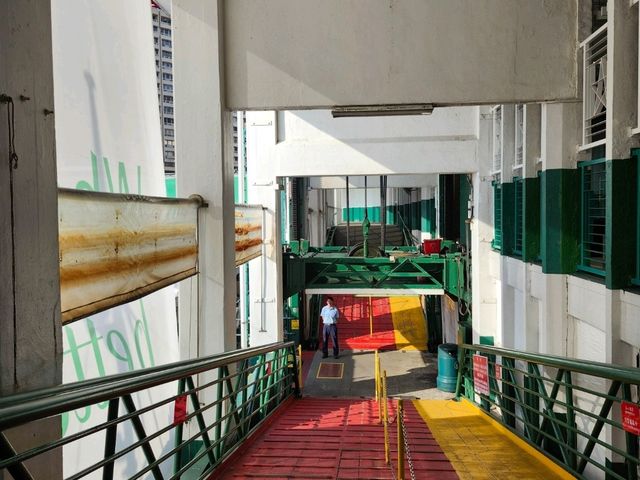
<point x="330" y="317"/>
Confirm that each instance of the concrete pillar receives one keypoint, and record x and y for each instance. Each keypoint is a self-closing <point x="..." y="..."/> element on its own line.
<point x="622" y="101"/>
<point x="265" y="273"/>
<point x="204" y="166"/>
<point x="484" y="261"/>
<point x="560" y="136"/>
<point x="31" y="339"/>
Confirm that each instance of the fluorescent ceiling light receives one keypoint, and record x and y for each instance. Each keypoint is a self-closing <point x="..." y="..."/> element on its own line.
<point x="382" y="110"/>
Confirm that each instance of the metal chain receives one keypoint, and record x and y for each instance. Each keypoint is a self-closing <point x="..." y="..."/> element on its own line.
<point x="407" y="451"/>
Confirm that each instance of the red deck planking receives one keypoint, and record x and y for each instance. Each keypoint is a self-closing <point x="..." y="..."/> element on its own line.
<point x="335" y="439"/>
<point x="354" y="325"/>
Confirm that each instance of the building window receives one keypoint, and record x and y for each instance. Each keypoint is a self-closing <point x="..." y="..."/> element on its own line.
<point x="497" y="215"/>
<point x="167" y="98"/>
<point x="168" y="121"/>
<point x="167" y="87"/>
<point x="168" y="110"/>
<point x="165" y="54"/>
<point x="518" y="217"/>
<point x="155" y="40"/>
<point x="593" y="216"/>
<point x="594" y="89"/>
<point x="155" y="28"/>
<point x="167" y="64"/>
<point x="166" y="20"/>
<point x="168" y="132"/>
<point x="167" y="76"/>
<point x="165" y="31"/>
<point x="155" y="16"/>
<point x="165" y="42"/>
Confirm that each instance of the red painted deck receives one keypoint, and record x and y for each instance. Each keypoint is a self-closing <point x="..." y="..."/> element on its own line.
<point x="335" y="439"/>
<point x="354" y="325"/>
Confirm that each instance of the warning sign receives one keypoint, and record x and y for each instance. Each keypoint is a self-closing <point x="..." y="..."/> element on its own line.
<point x="631" y="417"/>
<point x="481" y="374"/>
<point x="498" y="371"/>
<point x="295" y="324"/>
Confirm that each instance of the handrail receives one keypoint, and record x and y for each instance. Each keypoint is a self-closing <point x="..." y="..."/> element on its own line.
<point x="15" y="409"/>
<point x="407" y="233"/>
<point x="605" y="370"/>
<point x="241" y="389"/>
<point x="582" y="414"/>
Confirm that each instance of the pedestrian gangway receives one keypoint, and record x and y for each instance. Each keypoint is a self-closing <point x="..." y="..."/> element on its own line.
<point x="244" y="414"/>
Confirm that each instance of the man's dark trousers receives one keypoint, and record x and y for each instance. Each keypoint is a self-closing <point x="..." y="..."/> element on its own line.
<point x="329" y="332"/>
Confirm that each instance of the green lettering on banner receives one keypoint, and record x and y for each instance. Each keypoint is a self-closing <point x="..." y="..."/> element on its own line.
<point x="124" y="356"/>
<point x="142" y="325"/>
<point x="123" y="183"/>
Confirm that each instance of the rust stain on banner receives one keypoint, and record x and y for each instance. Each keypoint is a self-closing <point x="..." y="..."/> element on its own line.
<point x="249" y="232"/>
<point x="116" y="248"/>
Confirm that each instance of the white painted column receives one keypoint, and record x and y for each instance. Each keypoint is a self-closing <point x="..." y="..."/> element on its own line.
<point x="531" y="155"/>
<point x="265" y="273"/>
<point x="560" y="137"/>
<point x="507" y="320"/>
<point x="31" y="338"/>
<point x="204" y="166"/>
<point x="484" y="261"/>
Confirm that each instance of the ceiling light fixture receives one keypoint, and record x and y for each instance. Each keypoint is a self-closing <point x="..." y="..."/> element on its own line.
<point x="382" y="110"/>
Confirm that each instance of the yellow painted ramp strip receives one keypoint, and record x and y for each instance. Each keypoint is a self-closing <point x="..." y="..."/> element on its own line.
<point x="409" y="325"/>
<point x="479" y="447"/>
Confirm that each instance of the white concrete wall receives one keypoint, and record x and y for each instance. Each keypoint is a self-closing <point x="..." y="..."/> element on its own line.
<point x="363" y="53"/>
<point x="265" y="274"/>
<point x="312" y="143"/>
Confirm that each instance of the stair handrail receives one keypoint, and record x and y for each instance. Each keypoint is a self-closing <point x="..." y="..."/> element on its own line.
<point x="543" y="398"/>
<point x="409" y="238"/>
<point x="264" y="377"/>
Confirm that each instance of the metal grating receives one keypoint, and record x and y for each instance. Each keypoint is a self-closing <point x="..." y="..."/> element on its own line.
<point x="594" y="91"/>
<point x="497" y="215"/>
<point x="593" y="186"/>
<point x="330" y="370"/>
<point x="518" y="215"/>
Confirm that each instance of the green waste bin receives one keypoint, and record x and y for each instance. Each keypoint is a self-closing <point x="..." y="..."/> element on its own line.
<point x="447" y="367"/>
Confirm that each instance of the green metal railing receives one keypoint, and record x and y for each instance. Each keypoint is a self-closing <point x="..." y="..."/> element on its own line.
<point x="593" y="181"/>
<point x="230" y="395"/>
<point x="571" y="410"/>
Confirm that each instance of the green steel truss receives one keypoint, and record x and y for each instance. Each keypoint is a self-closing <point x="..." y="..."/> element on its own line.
<point x="402" y="269"/>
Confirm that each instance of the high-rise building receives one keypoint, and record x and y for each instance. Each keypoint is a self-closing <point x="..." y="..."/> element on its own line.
<point x="161" y="20"/>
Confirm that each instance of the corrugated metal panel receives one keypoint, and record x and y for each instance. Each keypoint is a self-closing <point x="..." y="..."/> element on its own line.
<point x="249" y="232"/>
<point x="116" y="248"/>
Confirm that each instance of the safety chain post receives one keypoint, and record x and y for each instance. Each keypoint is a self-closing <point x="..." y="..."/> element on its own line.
<point x="400" y="431"/>
<point x="385" y="415"/>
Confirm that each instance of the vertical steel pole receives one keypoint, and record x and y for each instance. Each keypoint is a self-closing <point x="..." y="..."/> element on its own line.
<point x="348" y="213"/>
<point x="385" y="417"/>
<point x="383" y="212"/>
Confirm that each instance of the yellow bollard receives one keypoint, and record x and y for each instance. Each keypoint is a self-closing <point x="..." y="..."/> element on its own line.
<point x="379" y="384"/>
<point x="300" y="366"/>
<point x="400" y="441"/>
<point x="375" y="373"/>
<point x="385" y="418"/>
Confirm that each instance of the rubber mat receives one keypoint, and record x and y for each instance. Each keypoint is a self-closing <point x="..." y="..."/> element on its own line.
<point x="336" y="439"/>
<point x="479" y="447"/>
<point x="395" y="323"/>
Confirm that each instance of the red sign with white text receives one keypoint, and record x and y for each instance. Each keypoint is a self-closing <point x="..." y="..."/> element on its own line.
<point x="498" y="371"/>
<point x="481" y="374"/>
<point x="630" y="417"/>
